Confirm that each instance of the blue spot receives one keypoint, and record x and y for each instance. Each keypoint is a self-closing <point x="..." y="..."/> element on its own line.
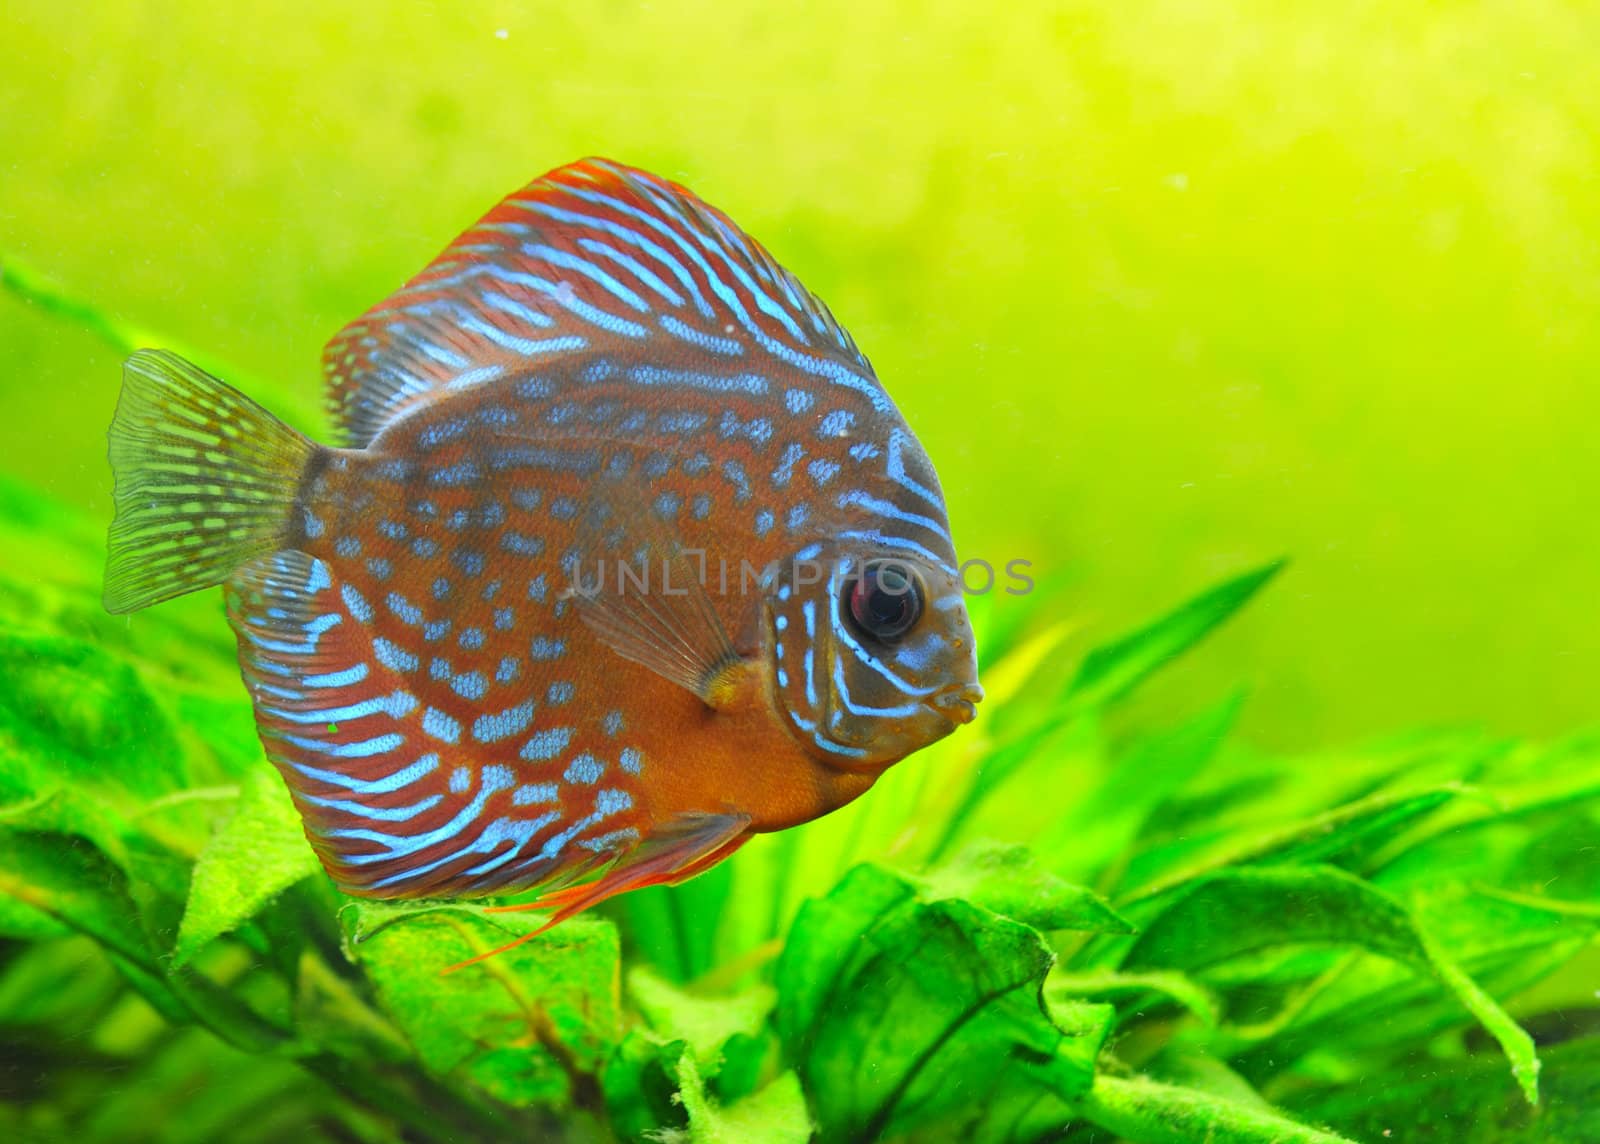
<point x="612" y="723"/>
<point x="609" y="802"/>
<point x="357" y="603"/>
<point x="700" y="508"/>
<point x="764" y="522"/>
<point x="425" y="547"/>
<point x="471" y="685"/>
<point x="508" y="669"/>
<point x="380" y="567"/>
<point x="441" y="726"/>
<point x="457" y="520"/>
<point x="440" y="588"/>
<point x="657" y="465"/>
<point x="783" y="678"/>
<point x="559" y="692"/>
<point x="543" y="648"/>
<point x="785" y="469"/>
<point x="836" y="424"/>
<point x="822" y="471"/>
<point x="347" y="546"/>
<point x="864" y="451"/>
<point x="632" y="760"/>
<point x="470" y="638"/>
<point x="492" y="514"/>
<point x="668" y="504"/>
<point x="797" y="400"/>
<point x="697" y="465"/>
<point x="521" y="544"/>
<point x="469" y="561"/>
<point x="463" y="473"/>
<point x="527" y="499"/>
<point x="435" y="630"/>
<point x="405" y="611"/>
<point x="497" y="777"/>
<point x="797" y="516"/>
<point x="440" y="669"/>
<point x="781" y="622"/>
<point x="535" y="793"/>
<point x="461" y="780"/>
<point x="546" y="744"/>
<point x="504" y="724"/>
<point x="392" y="657"/>
<point x="537" y="589"/>
<point x="392" y="529"/>
<point x="585" y="768"/>
<point x="563" y="508"/>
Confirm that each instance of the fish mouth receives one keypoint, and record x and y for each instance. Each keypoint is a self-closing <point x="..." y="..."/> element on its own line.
<point x="959" y="704"/>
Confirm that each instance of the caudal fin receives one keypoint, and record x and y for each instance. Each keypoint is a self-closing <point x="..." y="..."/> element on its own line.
<point x="205" y="480"/>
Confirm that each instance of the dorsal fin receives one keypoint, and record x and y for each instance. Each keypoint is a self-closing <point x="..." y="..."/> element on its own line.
<point x="592" y="260"/>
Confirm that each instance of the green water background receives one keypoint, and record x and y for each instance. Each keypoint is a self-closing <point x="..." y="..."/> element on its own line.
<point x="1165" y="288"/>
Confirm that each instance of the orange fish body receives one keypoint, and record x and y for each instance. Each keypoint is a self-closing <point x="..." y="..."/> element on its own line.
<point x="626" y="557"/>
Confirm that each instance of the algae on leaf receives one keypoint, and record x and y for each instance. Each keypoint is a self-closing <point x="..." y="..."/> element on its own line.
<point x="531" y="1025"/>
<point x="260" y="851"/>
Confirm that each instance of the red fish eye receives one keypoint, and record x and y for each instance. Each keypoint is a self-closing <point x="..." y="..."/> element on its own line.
<point x="885" y="600"/>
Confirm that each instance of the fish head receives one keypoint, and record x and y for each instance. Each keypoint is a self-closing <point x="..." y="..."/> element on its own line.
<point x="873" y="653"/>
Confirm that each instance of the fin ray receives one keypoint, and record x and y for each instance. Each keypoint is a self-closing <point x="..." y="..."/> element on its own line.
<point x="590" y="259"/>
<point x="205" y="481"/>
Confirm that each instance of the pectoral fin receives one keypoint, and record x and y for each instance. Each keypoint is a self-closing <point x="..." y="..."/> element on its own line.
<point x="644" y="595"/>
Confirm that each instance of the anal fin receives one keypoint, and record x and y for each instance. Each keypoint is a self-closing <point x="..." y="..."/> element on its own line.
<point x="683" y="848"/>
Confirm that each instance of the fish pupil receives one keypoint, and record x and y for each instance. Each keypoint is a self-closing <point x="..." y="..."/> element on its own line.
<point x="885" y="601"/>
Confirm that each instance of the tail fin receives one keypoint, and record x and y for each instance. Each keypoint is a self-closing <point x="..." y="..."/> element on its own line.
<point x="205" y="480"/>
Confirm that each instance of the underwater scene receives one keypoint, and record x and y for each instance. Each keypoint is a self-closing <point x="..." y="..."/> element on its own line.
<point x="843" y="572"/>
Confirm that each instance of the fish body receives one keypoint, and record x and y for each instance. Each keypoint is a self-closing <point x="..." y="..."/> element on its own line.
<point x="625" y="555"/>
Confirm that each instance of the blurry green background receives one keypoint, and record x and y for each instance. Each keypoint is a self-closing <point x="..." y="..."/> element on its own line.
<point x="1166" y="288"/>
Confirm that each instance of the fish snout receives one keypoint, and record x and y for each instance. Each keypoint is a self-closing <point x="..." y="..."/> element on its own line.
<point x="959" y="704"/>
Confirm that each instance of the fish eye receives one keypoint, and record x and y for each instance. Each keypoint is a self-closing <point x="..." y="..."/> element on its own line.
<point x="885" y="600"/>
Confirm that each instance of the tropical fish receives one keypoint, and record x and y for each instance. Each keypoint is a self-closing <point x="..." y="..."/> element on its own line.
<point x="624" y="556"/>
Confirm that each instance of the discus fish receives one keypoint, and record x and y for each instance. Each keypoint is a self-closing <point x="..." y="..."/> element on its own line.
<point x="624" y="555"/>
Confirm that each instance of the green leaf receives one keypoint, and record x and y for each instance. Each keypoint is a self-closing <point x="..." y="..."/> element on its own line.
<point x="1111" y="671"/>
<point x="531" y="1025"/>
<point x="72" y="712"/>
<point x="705" y="1024"/>
<point x="1242" y="911"/>
<point x="259" y="852"/>
<point x="777" y="1113"/>
<point x="945" y="999"/>
<point x="1153" y="1113"/>
<point x="1007" y="880"/>
<point x="1470" y="1101"/>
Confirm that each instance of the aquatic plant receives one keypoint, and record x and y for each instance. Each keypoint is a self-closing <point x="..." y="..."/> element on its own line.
<point x="1043" y="928"/>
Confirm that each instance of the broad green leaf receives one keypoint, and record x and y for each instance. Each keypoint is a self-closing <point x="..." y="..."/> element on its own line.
<point x="1469" y="1101"/>
<point x="260" y="851"/>
<point x="706" y="1024"/>
<point x="777" y="1113"/>
<point x="1153" y="1113"/>
<point x="1241" y="911"/>
<point x="1007" y="880"/>
<point x="72" y="882"/>
<point x="943" y="997"/>
<point x="70" y="711"/>
<point x="1174" y="987"/>
<point x="530" y="1025"/>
